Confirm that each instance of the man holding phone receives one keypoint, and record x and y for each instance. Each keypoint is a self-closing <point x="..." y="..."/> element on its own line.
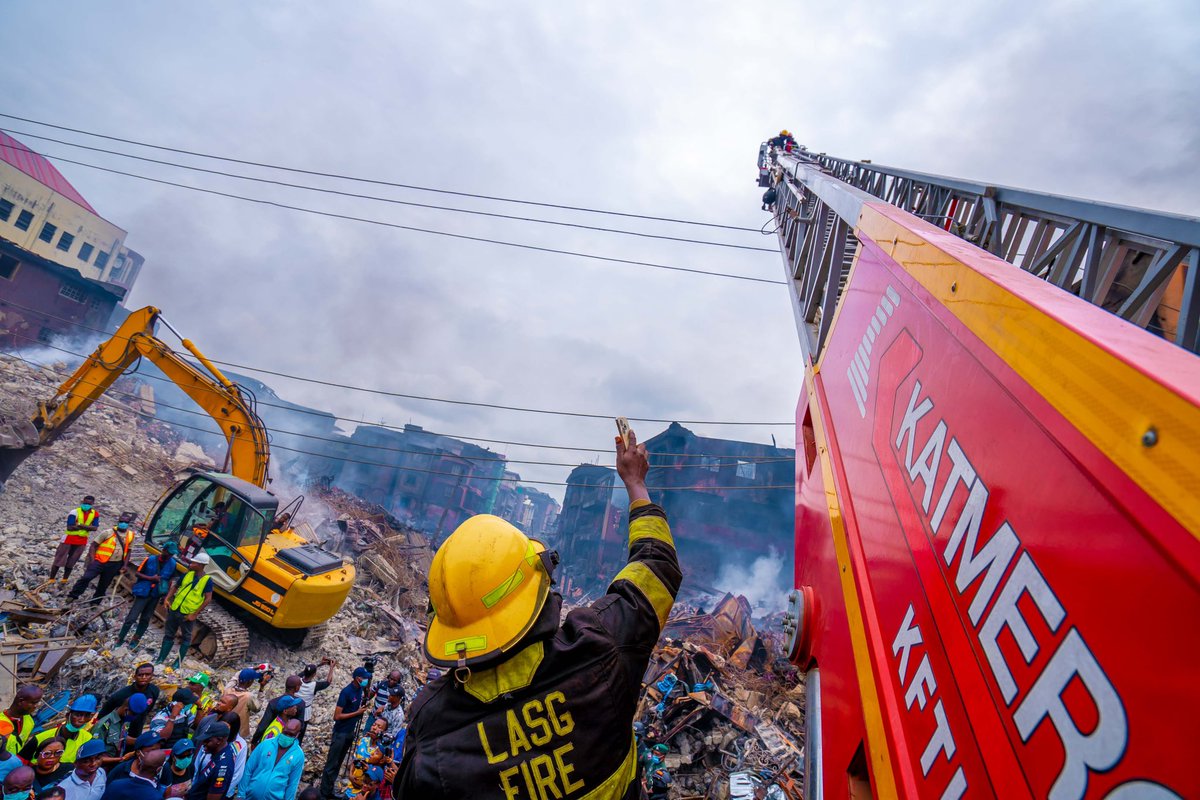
<point x="526" y="699"/>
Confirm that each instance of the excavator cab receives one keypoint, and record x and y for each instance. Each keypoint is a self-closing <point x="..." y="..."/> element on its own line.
<point x="224" y="516"/>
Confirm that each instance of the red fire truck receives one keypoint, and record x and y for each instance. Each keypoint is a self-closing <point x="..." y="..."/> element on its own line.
<point x="998" y="488"/>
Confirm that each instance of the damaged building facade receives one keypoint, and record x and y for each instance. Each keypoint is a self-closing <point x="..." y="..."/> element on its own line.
<point x="717" y="494"/>
<point x="61" y="264"/>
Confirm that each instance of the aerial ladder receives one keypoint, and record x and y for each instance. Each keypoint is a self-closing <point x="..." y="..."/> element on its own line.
<point x="998" y="486"/>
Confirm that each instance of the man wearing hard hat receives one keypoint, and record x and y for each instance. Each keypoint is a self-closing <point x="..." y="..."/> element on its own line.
<point x="529" y="707"/>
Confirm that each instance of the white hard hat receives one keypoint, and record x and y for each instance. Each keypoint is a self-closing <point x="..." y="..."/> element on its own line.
<point x="201" y="558"/>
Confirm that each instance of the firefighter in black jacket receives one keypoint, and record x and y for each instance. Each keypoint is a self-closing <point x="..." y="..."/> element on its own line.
<point x="529" y="708"/>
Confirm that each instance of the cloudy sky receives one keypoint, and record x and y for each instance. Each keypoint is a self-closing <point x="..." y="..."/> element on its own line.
<point x="647" y="108"/>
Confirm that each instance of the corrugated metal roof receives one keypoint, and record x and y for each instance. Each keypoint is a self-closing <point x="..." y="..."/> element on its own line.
<point x="38" y="168"/>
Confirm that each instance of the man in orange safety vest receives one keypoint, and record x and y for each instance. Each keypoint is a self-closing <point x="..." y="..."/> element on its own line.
<point x="109" y="552"/>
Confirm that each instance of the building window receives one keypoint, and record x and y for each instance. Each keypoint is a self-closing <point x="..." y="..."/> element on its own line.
<point x="44" y="335"/>
<point x="101" y="259"/>
<point x="5" y="210"/>
<point x="85" y="251"/>
<point x="95" y="304"/>
<point x="745" y="469"/>
<point x="8" y="267"/>
<point x="48" y="231"/>
<point x="710" y="463"/>
<point x="23" y="220"/>
<point x="65" y="241"/>
<point x="71" y="292"/>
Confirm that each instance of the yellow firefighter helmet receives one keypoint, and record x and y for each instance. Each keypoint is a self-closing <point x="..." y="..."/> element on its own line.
<point x="487" y="586"/>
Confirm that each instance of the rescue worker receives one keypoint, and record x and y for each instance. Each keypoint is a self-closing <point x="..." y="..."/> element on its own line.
<point x="153" y="582"/>
<point x="8" y="760"/>
<point x="288" y="708"/>
<point x="198" y="683"/>
<point x="81" y="522"/>
<point x="659" y="784"/>
<point x="190" y="595"/>
<point x="115" y="728"/>
<point x="768" y="199"/>
<point x="20" y="716"/>
<point x="73" y="732"/>
<point x="529" y="706"/>
<point x="108" y="553"/>
<point x="143" y="684"/>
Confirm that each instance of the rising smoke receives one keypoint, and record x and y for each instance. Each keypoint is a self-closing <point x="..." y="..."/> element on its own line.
<point x="765" y="582"/>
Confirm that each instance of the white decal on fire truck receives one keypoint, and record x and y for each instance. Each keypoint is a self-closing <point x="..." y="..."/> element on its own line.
<point x="922" y="688"/>
<point x="859" y="371"/>
<point x="988" y="566"/>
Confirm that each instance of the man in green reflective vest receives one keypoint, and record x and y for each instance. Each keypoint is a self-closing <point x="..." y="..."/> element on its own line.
<point x="20" y="716"/>
<point x="188" y="597"/>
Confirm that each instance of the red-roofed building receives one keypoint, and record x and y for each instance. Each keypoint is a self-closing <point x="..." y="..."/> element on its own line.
<point x="62" y="265"/>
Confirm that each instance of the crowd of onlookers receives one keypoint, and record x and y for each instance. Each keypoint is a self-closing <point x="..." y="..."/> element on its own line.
<point x="203" y="741"/>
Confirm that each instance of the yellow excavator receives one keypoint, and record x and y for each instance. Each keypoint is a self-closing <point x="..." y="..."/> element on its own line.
<point x="260" y="564"/>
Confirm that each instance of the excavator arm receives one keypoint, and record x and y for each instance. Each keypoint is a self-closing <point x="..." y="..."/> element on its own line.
<point x="249" y="449"/>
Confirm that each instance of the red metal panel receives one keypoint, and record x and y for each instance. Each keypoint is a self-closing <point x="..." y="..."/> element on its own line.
<point x="1031" y="633"/>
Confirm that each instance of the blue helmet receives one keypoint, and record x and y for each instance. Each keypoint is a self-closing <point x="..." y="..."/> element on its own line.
<point x="85" y="703"/>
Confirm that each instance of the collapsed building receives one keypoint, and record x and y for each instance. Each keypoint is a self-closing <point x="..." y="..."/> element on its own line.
<point x="721" y="496"/>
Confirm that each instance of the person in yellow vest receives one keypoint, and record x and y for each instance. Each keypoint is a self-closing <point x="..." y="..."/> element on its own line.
<point x="289" y="709"/>
<point x="20" y="716"/>
<point x="73" y="733"/>
<point x="82" y="521"/>
<point x="109" y="551"/>
<point x="190" y="595"/>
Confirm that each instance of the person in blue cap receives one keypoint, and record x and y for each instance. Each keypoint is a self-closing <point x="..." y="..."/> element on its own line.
<point x="275" y="766"/>
<point x="115" y="728"/>
<point x="153" y="582"/>
<point x="150" y="740"/>
<point x="87" y="781"/>
<point x="371" y="781"/>
<point x="289" y="708"/>
<point x="180" y="767"/>
<point x="349" y="708"/>
<point x="73" y="732"/>
<point x="142" y="683"/>
<point x="247" y="697"/>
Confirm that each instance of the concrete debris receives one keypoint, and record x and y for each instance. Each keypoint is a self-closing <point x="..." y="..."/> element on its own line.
<point x="720" y="693"/>
<point x="724" y="699"/>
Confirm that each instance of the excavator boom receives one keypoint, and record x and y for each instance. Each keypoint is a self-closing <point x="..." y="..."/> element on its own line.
<point x="249" y="449"/>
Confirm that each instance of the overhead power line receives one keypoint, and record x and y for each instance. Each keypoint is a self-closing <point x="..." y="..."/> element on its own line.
<point x="377" y="182"/>
<point x="376" y="198"/>
<point x="346" y="442"/>
<point x="402" y="395"/>
<point x="399" y="468"/>
<point x="414" y="228"/>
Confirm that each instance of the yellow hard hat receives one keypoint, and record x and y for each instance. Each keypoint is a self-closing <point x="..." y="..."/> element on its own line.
<point x="784" y="133"/>
<point x="487" y="585"/>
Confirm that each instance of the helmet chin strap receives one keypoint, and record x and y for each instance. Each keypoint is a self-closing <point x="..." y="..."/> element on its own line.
<point x="462" y="673"/>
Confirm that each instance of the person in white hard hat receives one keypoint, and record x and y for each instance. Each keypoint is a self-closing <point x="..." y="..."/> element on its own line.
<point x="187" y="599"/>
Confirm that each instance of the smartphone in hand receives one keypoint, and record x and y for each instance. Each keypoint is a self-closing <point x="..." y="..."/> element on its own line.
<point x="623" y="430"/>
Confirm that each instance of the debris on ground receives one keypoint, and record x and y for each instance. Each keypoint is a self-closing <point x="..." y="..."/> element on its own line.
<point x="720" y="693"/>
<point x="726" y="702"/>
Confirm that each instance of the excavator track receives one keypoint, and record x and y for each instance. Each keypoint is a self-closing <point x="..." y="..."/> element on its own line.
<point x="220" y="637"/>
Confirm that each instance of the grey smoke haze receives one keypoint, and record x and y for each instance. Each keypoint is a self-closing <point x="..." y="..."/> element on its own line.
<point x="652" y="108"/>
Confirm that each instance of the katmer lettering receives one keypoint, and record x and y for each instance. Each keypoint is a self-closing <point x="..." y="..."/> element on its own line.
<point x="987" y="566"/>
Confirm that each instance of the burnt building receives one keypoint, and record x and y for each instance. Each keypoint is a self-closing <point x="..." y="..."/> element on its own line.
<point x="430" y="481"/>
<point x="721" y="496"/>
<point x="62" y="265"/>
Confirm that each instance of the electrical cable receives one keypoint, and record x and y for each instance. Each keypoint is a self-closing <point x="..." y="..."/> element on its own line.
<point x="376" y="198"/>
<point x="398" y="468"/>
<point x="375" y="181"/>
<point x="401" y="395"/>
<point x="294" y="409"/>
<point x="350" y="443"/>
<point x="414" y="228"/>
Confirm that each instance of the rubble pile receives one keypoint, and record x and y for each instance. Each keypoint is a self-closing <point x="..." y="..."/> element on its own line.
<point x="727" y="703"/>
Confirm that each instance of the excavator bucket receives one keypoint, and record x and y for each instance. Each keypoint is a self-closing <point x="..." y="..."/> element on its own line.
<point x="18" y="438"/>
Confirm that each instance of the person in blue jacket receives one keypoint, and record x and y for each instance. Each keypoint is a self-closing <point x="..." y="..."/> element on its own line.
<point x="274" y="769"/>
<point x="153" y="582"/>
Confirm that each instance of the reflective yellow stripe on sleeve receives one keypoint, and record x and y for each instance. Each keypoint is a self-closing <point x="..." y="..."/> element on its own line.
<point x="615" y="785"/>
<point x="649" y="585"/>
<point x="650" y="526"/>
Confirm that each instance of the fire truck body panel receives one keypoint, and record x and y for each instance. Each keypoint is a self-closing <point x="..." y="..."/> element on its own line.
<point x="1009" y="476"/>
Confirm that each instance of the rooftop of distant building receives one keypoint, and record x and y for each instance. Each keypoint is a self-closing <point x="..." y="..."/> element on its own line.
<point x="40" y="169"/>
